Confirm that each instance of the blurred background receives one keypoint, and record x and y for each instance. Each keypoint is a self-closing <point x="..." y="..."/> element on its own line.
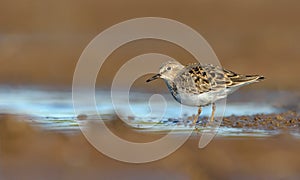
<point x="41" y="41"/>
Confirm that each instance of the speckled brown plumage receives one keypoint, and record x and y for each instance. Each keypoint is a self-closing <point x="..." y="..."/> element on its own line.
<point x="201" y="84"/>
<point x="196" y="78"/>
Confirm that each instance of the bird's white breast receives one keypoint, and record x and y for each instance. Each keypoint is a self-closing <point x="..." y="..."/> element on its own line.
<point x="203" y="99"/>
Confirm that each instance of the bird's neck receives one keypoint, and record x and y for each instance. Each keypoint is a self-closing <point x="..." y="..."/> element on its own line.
<point x="172" y="88"/>
<point x="171" y="85"/>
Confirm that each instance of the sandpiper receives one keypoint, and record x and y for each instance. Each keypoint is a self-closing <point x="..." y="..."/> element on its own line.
<point x="201" y="84"/>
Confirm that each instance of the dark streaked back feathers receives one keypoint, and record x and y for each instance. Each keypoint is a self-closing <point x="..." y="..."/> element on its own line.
<point x="208" y="77"/>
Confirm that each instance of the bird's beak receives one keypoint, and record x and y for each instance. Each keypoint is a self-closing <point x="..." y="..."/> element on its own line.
<point x="154" y="77"/>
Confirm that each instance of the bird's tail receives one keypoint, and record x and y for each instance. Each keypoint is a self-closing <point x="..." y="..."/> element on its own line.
<point x="241" y="79"/>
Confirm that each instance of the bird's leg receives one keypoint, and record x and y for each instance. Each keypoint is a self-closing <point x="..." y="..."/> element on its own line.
<point x="197" y="116"/>
<point x="213" y="107"/>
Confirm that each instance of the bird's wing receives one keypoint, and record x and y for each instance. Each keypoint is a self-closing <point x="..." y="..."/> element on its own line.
<point x="199" y="78"/>
<point x="196" y="78"/>
<point x="240" y="79"/>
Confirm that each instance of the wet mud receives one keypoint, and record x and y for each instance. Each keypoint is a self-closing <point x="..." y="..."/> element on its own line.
<point x="37" y="154"/>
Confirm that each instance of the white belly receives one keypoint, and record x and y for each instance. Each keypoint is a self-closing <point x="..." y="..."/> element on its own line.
<point x="203" y="99"/>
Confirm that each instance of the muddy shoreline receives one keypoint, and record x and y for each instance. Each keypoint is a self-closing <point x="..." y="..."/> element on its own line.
<point x="35" y="154"/>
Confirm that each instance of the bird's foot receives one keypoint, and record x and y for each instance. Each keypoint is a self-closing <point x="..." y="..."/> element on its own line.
<point x="195" y="119"/>
<point x="210" y="122"/>
<point x="194" y="125"/>
<point x="196" y="129"/>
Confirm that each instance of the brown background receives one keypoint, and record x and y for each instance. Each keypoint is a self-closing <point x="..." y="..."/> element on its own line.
<point x="41" y="41"/>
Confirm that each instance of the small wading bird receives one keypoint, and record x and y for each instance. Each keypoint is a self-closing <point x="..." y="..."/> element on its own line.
<point x="201" y="84"/>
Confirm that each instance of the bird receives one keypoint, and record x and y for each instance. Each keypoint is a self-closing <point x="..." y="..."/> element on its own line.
<point x="200" y="85"/>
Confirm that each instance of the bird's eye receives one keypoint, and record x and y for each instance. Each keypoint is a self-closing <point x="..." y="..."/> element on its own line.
<point x="169" y="68"/>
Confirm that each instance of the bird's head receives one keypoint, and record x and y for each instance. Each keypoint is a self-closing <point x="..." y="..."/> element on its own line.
<point x="168" y="71"/>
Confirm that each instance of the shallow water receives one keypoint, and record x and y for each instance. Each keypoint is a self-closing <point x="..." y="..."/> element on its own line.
<point x="53" y="110"/>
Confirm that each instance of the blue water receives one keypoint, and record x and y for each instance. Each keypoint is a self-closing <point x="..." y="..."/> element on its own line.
<point x="53" y="109"/>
